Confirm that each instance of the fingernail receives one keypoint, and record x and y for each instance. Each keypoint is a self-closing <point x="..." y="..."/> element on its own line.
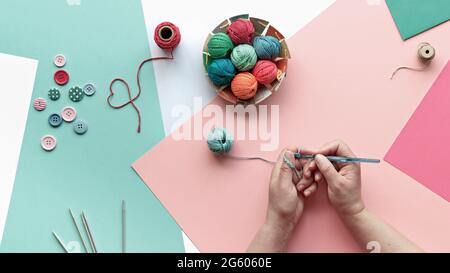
<point x="317" y="177"/>
<point x="301" y="187"/>
<point x="307" y="193"/>
<point x="319" y="159"/>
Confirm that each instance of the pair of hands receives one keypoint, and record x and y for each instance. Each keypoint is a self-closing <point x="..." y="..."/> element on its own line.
<point x="287" y="192"/>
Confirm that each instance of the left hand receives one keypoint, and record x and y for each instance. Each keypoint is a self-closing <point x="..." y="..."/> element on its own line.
<point x="287" y="193"/>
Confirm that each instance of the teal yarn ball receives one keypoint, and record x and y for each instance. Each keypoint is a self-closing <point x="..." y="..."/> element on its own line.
<point x="267" y="47"/>
<point x="244" y="57"/>
<point x="221" y="71"/>
<point x="220" y="46"/>
<point x="220" y="141"/>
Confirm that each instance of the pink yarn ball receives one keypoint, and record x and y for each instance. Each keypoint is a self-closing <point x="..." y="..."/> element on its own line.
<point x="265" y="72"/>
<point x="241" y="32"/>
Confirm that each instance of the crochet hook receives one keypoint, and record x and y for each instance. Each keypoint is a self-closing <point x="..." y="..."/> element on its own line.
<point x="340" y="159"/>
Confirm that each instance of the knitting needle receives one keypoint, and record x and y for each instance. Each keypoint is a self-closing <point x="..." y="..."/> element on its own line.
<point x="123" y="227"/>
<point x="60" y="242"/>
<point x="340" y="159"/>
<point x="88" y="231"/>
<point x="78" y="230"/>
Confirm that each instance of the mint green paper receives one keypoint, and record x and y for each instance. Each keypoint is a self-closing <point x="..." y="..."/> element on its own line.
<point x="101" y="40"/>
<point x="416" y="16"/>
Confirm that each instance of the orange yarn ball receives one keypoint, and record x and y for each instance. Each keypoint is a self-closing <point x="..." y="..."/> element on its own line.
<point x="244" y="86"/>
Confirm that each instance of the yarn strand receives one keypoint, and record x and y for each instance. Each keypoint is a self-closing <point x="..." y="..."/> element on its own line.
<point x="408" y="68"/>
<point x="138" y="80"/>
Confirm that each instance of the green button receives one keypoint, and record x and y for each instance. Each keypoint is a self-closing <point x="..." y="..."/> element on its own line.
<point x="54" y="94"/>
<point x="76" y="94"/>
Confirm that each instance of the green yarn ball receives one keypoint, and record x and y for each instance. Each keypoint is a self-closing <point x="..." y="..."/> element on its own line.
<point x="244" y="57"/>
<point x="220" y="46"/>
<point x="219" y="141"/>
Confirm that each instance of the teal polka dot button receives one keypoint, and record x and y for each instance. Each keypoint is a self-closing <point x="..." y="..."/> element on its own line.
<point x="54" y="94"/>
<point x="54" y="120"/>
<point x="76" y="94"/>
<point x="80" y="127"/>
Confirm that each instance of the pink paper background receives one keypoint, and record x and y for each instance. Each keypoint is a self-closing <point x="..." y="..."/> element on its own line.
<point x="337" y="87"/>
<point x="422" y="150"/>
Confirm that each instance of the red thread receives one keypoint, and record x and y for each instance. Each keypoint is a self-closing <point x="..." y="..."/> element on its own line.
<point x="164" y="41"/>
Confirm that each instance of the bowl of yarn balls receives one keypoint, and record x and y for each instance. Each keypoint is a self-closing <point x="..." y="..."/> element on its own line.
<point x="245" y="59"/>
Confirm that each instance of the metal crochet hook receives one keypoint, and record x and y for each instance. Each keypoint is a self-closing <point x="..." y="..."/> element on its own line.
<point x="340" y="159"/>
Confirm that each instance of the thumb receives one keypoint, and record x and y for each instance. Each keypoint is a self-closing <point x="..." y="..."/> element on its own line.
<point x="326" y="168"/>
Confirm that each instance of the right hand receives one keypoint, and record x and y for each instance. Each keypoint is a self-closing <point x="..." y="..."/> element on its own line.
<point x="343" y="179"/>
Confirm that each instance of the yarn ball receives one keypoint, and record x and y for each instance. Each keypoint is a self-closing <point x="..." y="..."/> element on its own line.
<point x="267" y="47"/>
<point x="219" y="141"/>
<point x="244" y="57"/>
<point x="241" y="31"/>
<point x="221" y="71"/>
<point x="244" y="86"/>
<point x="220" y="46"/>
<point x="265" y="72"/>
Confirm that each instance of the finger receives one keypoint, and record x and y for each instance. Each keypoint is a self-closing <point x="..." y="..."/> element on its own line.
<point x="304" y="183"/>
<point x="327" y="169"/>
<point x="285" y="174"/>
<point x="311" y="189"/>
<point x="308" y="171"/>
<point x="317" y="176"/>
<point x="297" y="163"/>
<point x="289" y="161"/>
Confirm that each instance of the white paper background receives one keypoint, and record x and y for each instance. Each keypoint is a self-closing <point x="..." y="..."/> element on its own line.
<point x="180" y="80"/>
<point x="17" y="77"/>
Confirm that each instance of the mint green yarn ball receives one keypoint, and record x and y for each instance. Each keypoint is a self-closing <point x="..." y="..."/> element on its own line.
<point x="244" y="57"/>
<point x="220" y="46"/>
<point x="219" y="141"/>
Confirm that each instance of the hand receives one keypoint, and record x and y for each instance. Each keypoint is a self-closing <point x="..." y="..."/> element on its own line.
<point x="286" y="202"/>
<point x="343" y="179"/>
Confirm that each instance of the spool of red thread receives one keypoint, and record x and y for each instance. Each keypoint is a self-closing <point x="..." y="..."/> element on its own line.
<point x="167" y="36"/>
<point x="265" y="71"/>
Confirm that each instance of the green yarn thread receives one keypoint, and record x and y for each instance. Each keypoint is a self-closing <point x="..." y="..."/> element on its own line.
<point x="220" y="46"/>
<point x="244" y="57"/>
<point x="220" y="141"/>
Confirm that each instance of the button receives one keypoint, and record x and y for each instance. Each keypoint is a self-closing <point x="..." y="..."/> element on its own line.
<point x="59" y="60"/>
<point x="76" y="94"/>
<point x="55" y="120"/>
<point x="89" y="89"/>
<point x="48" y="142"/>
<point x="68" y="114"/>
<point x="54" y="94"/>
<point x="40" y="104"/>
<point x="80" y="127"/>
<point x="61" y="77"/>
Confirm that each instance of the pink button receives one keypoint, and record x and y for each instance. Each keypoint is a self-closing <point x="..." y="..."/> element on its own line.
<point x="69" y="114"/>
<point x="40" y="104"/>
<point x="48" y="142"/>
<point x="59" y="60"/>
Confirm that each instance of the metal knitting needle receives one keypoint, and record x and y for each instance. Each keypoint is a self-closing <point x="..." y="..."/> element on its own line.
<point x="88" y="231"/>
<point x="123" y="227"/>
<point x="60" y="242"/>
<point x="78" y="229"/>
<point x="340" y="159"/>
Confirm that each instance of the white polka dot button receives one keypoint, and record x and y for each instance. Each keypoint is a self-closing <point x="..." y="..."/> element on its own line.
<point x="48" y="142"/>
<point x="69" y="114"/>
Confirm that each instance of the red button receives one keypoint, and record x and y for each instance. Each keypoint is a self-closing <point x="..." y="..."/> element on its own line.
<point x="61" y="77"/>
